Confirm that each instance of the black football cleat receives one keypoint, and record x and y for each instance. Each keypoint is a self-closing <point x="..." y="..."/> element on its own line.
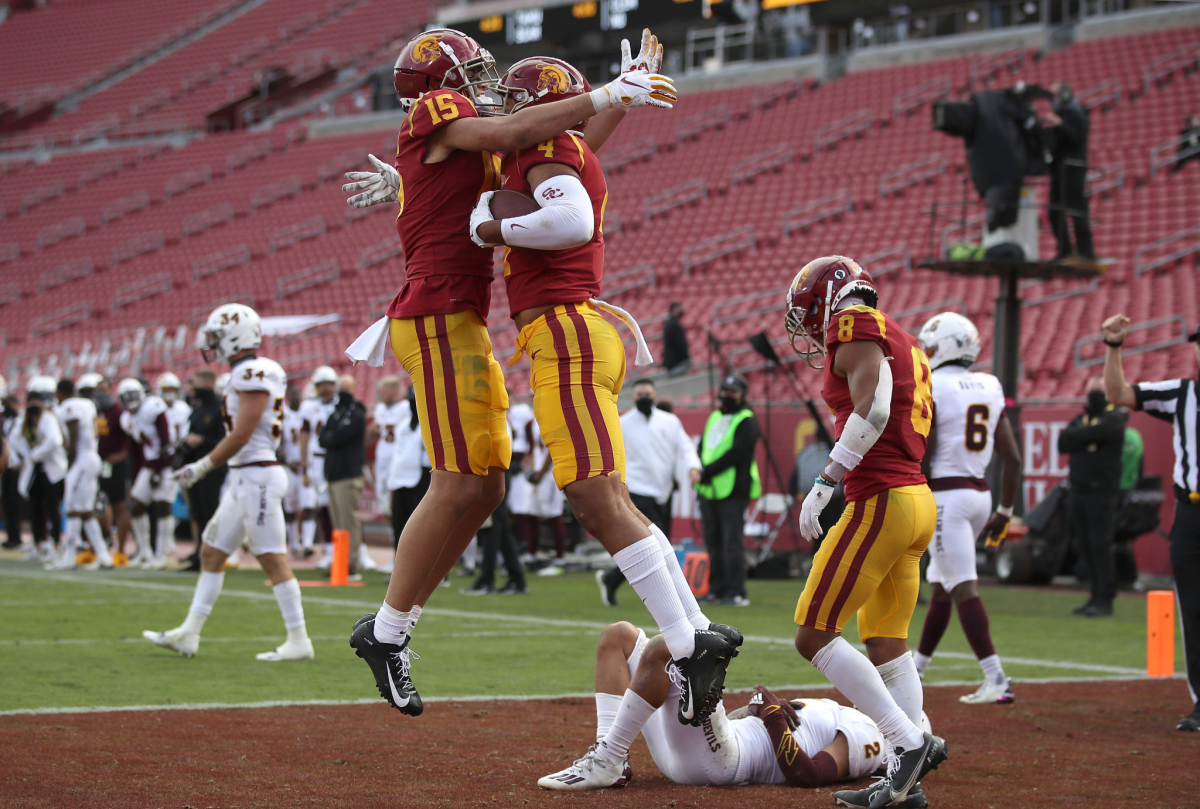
<point x="909" y="768"/>
<point x="731" y="634"/>
<point x="861" y="798"/>
<point x="702" y="677"/>
<point x="1190" y="724"/>
<point x="390" y="664"/>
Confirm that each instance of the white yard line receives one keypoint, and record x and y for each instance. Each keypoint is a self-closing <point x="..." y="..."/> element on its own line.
<point x="517" y="619"/>
<point x="275" y="638"/>
<point x="587" y="695"/>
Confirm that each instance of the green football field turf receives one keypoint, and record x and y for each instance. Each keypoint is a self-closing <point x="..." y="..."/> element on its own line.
<point x="74" y="640"/>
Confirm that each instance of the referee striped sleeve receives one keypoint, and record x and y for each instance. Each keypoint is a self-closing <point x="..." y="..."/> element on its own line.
<point x="1158" y="397"/>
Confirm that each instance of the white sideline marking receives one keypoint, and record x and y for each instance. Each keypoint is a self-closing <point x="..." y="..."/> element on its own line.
<point x="222" y="706"/>
<point x="275" y="638"/>
<point x="1098" y="668"/>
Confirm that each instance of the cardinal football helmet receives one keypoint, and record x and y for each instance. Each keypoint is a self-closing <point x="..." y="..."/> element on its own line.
<point x="948" y="337"/>
<point x="539" y="80"/>
<point x="815" y="294"/>
<point x="231" y="328"/>
<point x="443" y="58"/>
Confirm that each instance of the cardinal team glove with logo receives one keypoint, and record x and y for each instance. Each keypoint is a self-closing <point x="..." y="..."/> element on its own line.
<point x="649" y="58"/>
<point x="375" y="187"/>
<point x="636" y="89"/>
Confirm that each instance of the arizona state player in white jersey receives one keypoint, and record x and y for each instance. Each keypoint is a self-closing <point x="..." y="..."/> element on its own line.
<point x="804" y="743"/>
<point x="293" y="423"/>
<point x="314" y="496"/>
<point x="178" y="411"/>
<point x="968" y="426"/>
<point x="251" y="507"/>
<point x="78" y="417"/>
<point x="153" y="490"/>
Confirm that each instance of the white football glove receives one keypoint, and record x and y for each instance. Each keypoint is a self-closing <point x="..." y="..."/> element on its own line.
<point x="376" y="187"/>
<point x="649" y="58"/>
<point x="188" y="476"/>
<point x="635" y="89"/>
<point x="482" y="213"/>
<point x="810" y="512"/>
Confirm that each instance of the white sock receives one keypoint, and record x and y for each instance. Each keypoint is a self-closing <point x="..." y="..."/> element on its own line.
<point x="606" y="711"/>
<point x="74" y="529"/>
<point x="992" y="671"/>
<point x="415" y="613"/>
<point x="632" y="716"/>
<point x="287" y="596"/>
<point x="141" y="534"/>
<point x="686" y="597"/>
<point x="308" y="532"/>
<point x="852" y="673"/>
<point x="208" y="589"/>
<point x="644" y="567"/>
<point x="96" y="538"/>
<point x="293" y="533"/>
<point x="392" y="625"/>
<point x="166" y="536"/>
<point x="904" y="684"/>
<point x="921" y="662"/>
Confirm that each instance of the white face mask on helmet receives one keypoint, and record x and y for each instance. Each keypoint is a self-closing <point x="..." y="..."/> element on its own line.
<point x="949" y="337"/>
<point x="231" y="328"/>
<point x="168" y="387"/>
<point x="131" y="393"/>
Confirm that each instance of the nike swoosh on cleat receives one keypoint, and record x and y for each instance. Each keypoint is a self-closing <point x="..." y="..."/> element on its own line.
<point x="400" y="703"/>
<point x="690" y="711"/>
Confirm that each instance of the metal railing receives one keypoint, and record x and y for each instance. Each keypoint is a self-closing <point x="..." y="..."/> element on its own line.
<point x="1171" y="243"/>
<point x="918" y="171"/>
<point x="897" y="258"/>
<point x="189" y="178"/>
<point x="142" y="288"/>
<point x="778" y="155"/>
<point x="808" y="214"/>
<point x="640" y="149"/>
<point x="209" y="217"/>
<point x="985" y="69"/>
<point x="138" y="245"/>
<point x="239" y="157"/>
<point x="1167" y="154"/>
<point x="648" y="278"/>
<point x="912" y="99"/>
<point x="103" y="168"/>
<point x="290" y="234"/>
<point x="1169" y="320"/>
<point x="948" y="305"/>
<point x="9" y="252"/>
<point x="1106" y="93"/>
<point x="77" y="268"/>
<point x="731" y="241"/>
<point x="720" y="45"/>
<point x="275" y="191"/>
<point x="60" y="318"/>
<point x="1156" y="70"/>
<point x="223" y="260"/>
<point x="137" y="201"/>
<point x="1102" y="179"/>
<point x="850" y="126"/>
<point x="768" y="97"/>
<point x="711" y="118"/>
<point x="380" y="252"/>
<point x="680" y="195"/>
<point x="72" y="226"/>
<point x="308" y="277"/>
<point x="10" y="293"/>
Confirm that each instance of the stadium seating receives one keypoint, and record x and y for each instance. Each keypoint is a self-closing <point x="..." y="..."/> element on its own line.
<point x="765" y="176"/>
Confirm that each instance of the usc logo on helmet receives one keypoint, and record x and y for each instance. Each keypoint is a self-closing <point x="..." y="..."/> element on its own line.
<point x="427" y="49"/>
<point x="553" y="79"/>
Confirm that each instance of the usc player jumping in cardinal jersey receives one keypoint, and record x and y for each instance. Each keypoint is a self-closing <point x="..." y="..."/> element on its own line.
<point x="877" y="382"/>
<point x="437" y="323"/>
<point x="553" y="265"/>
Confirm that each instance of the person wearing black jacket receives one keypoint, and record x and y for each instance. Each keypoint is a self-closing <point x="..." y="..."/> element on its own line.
<point x="8" y="480"/>
<point x="676" y="355"/>
<point x="344" y="440"/>
<point x="1068" y="174"/>
<point x="728" y="482"/>
<point x="206" y="428"/>
<point x="1189" y="143"/>
<point x="1094" y="440"/>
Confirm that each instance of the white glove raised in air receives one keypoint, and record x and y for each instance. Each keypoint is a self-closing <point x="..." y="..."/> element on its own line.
<point x="635" y="89"/>
<point x="376" y="187"/>
<point x="482" y="213"/>
<point x="188" y="476"/>
<point x="649" y="58"/>
<point x="810" y="512"/>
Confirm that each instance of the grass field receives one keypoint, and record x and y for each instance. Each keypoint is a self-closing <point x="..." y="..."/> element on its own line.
<point x="540" y="644"/>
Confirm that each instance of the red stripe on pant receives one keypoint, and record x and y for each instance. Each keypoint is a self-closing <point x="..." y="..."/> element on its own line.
<point x="588" y="379"/>
<point x="881" y="501"/>
<point x="462" y="459"/>
<point x="428" y="382"/>
<point x="578" y="439"/>
<point x="835" y="558"/>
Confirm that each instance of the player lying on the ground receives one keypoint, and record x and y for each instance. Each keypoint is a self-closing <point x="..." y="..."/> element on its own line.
<point x="251" y="508"/>
<point x="803" y="743"/>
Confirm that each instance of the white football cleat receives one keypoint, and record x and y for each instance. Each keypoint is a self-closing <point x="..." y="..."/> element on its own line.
<point x="365" y="562"/>
<point x="179" y="640"/>
<point x="325" y="563"/>
<point x="64" y="561"/>
<point x="155" y="563"/>
<point x="1000" y="693"/>
<point x="588" y="773"/>
<point x="290" y="650"/>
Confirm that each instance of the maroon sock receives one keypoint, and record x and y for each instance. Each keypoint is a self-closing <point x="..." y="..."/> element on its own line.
<point x="528" y="529"/>
<point x="975" y="624"/>
<point x="560" y="536"/>
<point x="326" y="523"/>
<point x="936" y="621"/>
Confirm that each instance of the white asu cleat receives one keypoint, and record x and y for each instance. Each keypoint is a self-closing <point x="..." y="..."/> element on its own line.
<point x="290" y="650"/>
<point x="155" y="563"/>
<point x="179" y="640"/>
<point x="588" y="773"/>
<point x="1000" y="693"/>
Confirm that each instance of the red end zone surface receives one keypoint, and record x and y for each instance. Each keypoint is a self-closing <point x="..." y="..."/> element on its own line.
<point x="1062" y="745"/>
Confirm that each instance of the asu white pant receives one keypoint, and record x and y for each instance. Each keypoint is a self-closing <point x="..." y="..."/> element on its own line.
<point x="292" y="501"/>
<point x="83" y="483"/>
<point x="707" y="755"/>
<point x="251" y="510"/>
<point x="145" y="492"/>
<point x="961" y="515"/>
<point x="316" y="495"/>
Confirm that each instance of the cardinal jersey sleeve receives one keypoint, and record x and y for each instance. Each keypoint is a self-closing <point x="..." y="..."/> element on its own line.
<point x="435" y="110"/>
<point x="564" y="149"/>
<point x="856" y="323"/>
